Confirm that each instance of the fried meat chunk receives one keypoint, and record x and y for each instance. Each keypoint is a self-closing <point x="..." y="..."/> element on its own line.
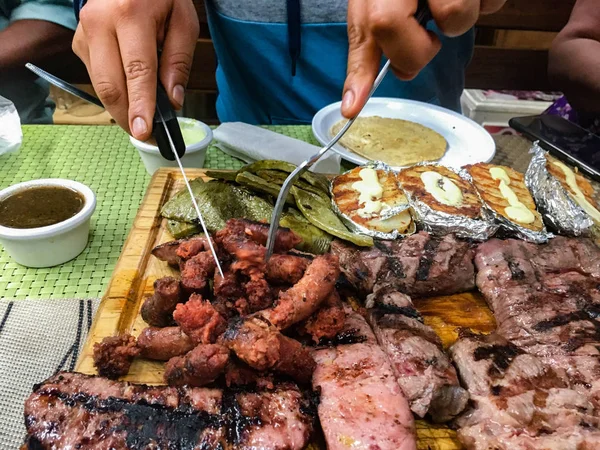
<point x="199" y="320"/>
<point x="114" y="355"/>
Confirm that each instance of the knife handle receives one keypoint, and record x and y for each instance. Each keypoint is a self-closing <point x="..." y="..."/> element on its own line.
<point x="163" y="105"/>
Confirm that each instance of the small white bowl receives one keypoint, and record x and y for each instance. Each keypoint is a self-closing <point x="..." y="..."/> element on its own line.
<point x="194" y="153"/>
<point x="55" y="244"/>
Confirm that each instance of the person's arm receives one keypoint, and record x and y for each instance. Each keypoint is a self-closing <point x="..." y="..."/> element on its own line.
<point x="574" y="65"/>
<point x="388" y="27"/>
<point x="32" y="41"/>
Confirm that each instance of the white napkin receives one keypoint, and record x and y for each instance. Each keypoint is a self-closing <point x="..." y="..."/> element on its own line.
<point x="250" y="143"/>
<point x="11" y="135"/>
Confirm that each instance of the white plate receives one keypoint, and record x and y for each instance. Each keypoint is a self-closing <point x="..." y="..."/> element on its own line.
<point x="468" y="142"/>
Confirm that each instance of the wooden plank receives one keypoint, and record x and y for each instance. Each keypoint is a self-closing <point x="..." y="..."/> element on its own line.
<point x="513" y="69"/>
<point x="538" y="15"/>
<point x="136" y="271"/>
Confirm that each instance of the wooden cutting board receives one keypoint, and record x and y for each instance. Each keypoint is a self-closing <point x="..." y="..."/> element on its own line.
<point x="137" y="269"/>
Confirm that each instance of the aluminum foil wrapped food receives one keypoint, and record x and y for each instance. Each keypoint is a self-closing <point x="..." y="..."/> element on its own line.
<point x="561" y="212"/>
<point x="453" y="207"/>
<point x="370" y="202"/>
<point x="503" y="192"/>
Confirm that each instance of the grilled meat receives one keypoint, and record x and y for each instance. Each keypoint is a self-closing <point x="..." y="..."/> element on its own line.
<point x="163" y="344"/>
<point x="419" y="265"/>
<point x="262" y="347"/>
<point x="114" y="355"/>
<point x="158" y="309"/>
<point x="168" y="252"/>
<point x="199" y="367"/>
<point x="518" y="402"/>
<point x="258" y="294"/>
<point x="286" y="268"/>
<point x="196" y="272"/>
<point x="424" y="372"/>
<point x="199" y="320"/>
<point x="228" y="285"/>
<point x="328" y="321"/>
<point x="191" y="247"/>
<point x="72" y="410"/>
<point x="237" y="373"/>
<point x="361" y="406"/>
<point x="258" y="232"/>
<point x="305" y="297"/>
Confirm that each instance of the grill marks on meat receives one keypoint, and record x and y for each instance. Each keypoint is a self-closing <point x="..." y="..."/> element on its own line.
<point x="163" y="344"/>
<point x="114" y="355"/>
<point x="422" y="369"/>
<point x="419" y="265"/>
<point x="262" y="347"/>
<point x="519" y="402"/>
<point x="305" y="297"/>
<point x="198" y="367"/>
<point x="551" y="309"/>
<point x="199" y="320"/>
<point x="361" y="404"/>
<point x="158" y="309"/>
<point x="72" y="410"/>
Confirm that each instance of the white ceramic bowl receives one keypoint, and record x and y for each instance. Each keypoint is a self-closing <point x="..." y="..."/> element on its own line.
<point x="55" y="244"/>
<point x="194" y="153"/>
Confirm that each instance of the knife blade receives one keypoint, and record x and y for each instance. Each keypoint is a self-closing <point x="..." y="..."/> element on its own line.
<point x="189" y="188"/>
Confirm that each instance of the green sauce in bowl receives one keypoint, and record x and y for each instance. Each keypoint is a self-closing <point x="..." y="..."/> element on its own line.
<point x="191" y="132"/>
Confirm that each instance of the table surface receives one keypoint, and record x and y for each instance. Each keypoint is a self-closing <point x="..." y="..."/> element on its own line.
<point x="102" y="158"/>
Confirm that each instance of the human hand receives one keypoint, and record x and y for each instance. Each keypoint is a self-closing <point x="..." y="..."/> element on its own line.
<point x="389" y="27"/>
<point x="118" y="40"/>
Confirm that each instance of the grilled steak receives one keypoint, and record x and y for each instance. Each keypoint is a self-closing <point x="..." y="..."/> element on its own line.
<point x="361" y="405"/>
<point x="424" y="372"/>
<point x="72" y="410"/>
<point x="546" y="300"/>
<point x="419" y="265"/>
<point x="518" y="402"/>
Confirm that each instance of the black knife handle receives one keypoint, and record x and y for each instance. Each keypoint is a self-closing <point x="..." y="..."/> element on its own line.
<point x="163" y="105"/>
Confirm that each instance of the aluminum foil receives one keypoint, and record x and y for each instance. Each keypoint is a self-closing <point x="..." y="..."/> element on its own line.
<point x="385" y="214"/>
<point x="560" y="212"/>
<point x="440" y="223"/>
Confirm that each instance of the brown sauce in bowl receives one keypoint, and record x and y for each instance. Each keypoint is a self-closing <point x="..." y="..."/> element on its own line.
<point x="40" y="207"/>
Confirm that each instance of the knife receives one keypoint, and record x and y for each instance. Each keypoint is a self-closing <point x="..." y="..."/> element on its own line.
<point x="166" y="133"/>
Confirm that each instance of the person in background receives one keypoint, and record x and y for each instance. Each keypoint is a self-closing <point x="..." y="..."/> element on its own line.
<point x="574" y="66"/>
<point x="279" y="61"/>
<point x="32" y="31"/>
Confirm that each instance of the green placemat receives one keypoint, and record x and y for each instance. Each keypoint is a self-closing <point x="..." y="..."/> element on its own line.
<point x="102" y="158"/>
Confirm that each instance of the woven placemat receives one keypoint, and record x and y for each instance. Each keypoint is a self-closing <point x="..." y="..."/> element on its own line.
<point x="102" y="158"/>
<point x="37" y="339"/>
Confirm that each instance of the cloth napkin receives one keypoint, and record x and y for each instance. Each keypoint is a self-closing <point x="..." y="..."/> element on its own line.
<point x="250" y="143"/>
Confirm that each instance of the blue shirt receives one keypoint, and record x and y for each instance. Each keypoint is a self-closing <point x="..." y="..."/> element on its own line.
<point x="254" y="75"/>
